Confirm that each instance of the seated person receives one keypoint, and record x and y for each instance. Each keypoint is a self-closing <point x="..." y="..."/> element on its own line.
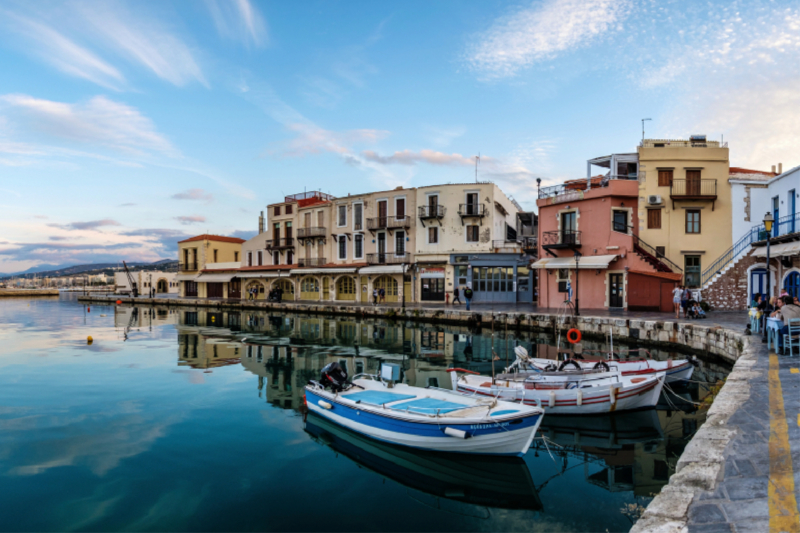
<point x="786" y="312"/>
<point x="756" y="301"/>
<point x="699" y="313"/>
<point x="690" y="312"/>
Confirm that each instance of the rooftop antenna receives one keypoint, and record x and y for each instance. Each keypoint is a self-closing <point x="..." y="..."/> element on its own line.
<point x="477" y="160"/>
<point x="643" y="120"/>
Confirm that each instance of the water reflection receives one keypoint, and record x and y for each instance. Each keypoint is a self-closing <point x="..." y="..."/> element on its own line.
<point x="636" y="452"/>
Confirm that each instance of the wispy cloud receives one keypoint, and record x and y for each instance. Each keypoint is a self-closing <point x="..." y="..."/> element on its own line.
<point x="407" y="157"/>
<point x="143" y="40"/>
<point x="311" y="139"/>
<point x="191" y="219"/>
<point x="193" y="194"/>
<point x="238" y="20"/>
<point x="90" y="225"/>
<point x="100" y="121"/>
<point x="540" y="32"/>
<point x="63" y="53"/>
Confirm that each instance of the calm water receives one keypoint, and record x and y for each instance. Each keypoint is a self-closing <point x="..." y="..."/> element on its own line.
<point x="189" y="420"/>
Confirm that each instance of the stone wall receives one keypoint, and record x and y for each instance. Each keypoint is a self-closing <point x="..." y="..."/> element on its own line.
<point x="729" y="291"/>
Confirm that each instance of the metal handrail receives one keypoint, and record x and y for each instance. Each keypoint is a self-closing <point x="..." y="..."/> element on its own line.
<point x="388" y="222"/>
<point x="188" y="267"/>
<point x="561" y="237"/>
<point x="471" y="210"/>
<point x="311" y="261"/>
<point x="316" y="231"/>
<point x="431" y="211"/>
<point x="649" y="250"/>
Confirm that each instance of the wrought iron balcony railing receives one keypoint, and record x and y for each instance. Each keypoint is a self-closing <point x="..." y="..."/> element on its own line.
<point x="311" y="262"/>
<point x="388" y="222"/>
<point x="388" y="258"/>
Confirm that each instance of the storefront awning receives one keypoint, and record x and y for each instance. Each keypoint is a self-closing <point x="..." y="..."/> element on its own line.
<point x="301" y="271"/>
<point x="779" y="250"/>
<point x="258" y="275"/>
<point x="186" y="277"/>
<point x="214" y="278"/>
<point x="585" y="262"/>
<point x="382" y="269"/>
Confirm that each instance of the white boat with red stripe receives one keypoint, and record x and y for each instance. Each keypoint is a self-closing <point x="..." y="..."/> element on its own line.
<point x="578" y="392"/>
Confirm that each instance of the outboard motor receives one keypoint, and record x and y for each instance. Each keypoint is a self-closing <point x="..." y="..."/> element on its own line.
<point x="335" y="377"/>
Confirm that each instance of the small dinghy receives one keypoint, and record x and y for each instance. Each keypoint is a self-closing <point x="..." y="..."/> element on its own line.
<point x="576" y="392"/>
<point x="424" y="418"/>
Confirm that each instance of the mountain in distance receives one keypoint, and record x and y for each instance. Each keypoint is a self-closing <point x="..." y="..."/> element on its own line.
<point x="51" y="271"/>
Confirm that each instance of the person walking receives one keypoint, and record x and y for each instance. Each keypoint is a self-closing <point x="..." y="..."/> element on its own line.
<point x="677" y="296"/>
<point x="468" y="296"/>
<point x="382" y="294"/>
<point x="456" y="293"/>
<point x="685" y="302"/>
<point x="374" y="296"/>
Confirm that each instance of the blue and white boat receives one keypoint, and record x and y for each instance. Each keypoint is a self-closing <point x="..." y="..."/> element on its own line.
<point x="423" y="418"/>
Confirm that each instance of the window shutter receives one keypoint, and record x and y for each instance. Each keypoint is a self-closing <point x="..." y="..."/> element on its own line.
<point x="664" y="178"/>
<point x="654" y="219"/>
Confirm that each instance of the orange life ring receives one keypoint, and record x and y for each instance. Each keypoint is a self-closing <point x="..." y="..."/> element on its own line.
<point x="577" y="336"/>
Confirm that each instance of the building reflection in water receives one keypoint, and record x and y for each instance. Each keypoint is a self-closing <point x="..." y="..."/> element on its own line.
<point x="635" y="452"/>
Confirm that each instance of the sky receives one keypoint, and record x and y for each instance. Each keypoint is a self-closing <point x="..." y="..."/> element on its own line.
<point x="127" y="126"/>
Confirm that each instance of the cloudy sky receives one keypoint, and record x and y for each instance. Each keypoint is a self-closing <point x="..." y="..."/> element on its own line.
<point x="125" y="126"/>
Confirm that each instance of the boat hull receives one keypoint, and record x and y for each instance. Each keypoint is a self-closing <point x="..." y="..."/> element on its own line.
<point x="484" y="437"/>
<point x="675" y="371"/>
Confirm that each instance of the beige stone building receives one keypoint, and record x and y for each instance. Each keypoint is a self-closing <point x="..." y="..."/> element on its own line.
<point x="208" y="266"/>
<point x="685" y="202"/>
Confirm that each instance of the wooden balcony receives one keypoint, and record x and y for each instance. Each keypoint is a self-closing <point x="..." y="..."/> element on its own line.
<point x="703" y="190"/>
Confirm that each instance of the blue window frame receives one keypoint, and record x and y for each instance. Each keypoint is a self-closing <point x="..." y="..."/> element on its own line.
<point x="792" y="284"/>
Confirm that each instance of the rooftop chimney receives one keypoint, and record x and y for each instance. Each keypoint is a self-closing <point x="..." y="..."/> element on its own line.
<point x="773" y="169"/>
<point x="780" y="168"/>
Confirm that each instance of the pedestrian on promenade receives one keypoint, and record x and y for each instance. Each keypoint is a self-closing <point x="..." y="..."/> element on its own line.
<point x="456" y="293"/>
<point x="677" y="296"/>
<point x="382" y="294"/>
<point x="374" y="296"/>
<point x="468" y="296"/>
<point x="685" y="296"/>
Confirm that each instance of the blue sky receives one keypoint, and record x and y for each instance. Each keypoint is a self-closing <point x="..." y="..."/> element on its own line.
<point x="125" y="127"/>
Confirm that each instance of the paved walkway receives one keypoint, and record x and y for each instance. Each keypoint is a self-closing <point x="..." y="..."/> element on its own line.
<point x="757" y="486"/>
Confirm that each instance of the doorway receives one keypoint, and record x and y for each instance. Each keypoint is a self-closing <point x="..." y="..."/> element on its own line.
<point x="383" y="213"/>
<point x="235" y="288"/>
<point x="381" y="248"/>
<point x="162" y="286"/>
<point x="758" y="283"/>
<point x="214" y="290"/>
<point x="615" y="288"/>
<point x="432" y="290"/>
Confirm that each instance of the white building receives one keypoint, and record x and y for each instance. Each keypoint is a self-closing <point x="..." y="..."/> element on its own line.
<point x="162" y="282"/>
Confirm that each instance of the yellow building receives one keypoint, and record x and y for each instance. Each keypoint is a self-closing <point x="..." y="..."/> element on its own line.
<point x="207" y="266"/>
<point x="685" y="202"/>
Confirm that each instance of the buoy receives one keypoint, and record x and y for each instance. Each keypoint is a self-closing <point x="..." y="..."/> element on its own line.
<point x="552" y="399"/>
<point x="88" y="309"/>
<point x="89" y="340"/>
<point x="574" y="336"/>
<point x="119" y="302"/>
<point x="324" y="404"/>
<point x="457" y="433"/>
<point x="580" y="397"/>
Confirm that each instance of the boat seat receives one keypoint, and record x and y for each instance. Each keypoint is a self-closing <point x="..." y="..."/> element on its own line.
<point x="430" y="406"/>
<point x="377" y="397"/>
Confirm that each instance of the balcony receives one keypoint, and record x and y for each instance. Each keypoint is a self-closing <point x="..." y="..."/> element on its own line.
<point x="431" y="212"/>
<point x="556" y="240"/>
<point x="388" y="223"/>
<point x="389" y="258"/>
<point x="311" y="262"/>
<point x="471" y="211"/>
<point x="693" y="190"/>
<point x="191" y="266"/>
<point x="280" y="244"/>
<point x="311" y="233"/>
<point x="529" y="243"/>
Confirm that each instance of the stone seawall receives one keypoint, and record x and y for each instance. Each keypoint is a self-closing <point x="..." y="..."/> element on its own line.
<point x="27" y="293"/>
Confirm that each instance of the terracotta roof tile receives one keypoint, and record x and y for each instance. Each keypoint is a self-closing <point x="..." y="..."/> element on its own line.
<point x="218" y="238"/>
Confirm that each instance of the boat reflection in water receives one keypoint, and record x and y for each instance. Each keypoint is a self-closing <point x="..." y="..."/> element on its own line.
<point x="498" y="482"/>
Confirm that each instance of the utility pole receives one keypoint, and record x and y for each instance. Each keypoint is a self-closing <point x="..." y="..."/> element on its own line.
<point x="643" y="120"/>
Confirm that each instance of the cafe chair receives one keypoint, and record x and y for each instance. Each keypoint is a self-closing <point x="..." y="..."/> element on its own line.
<point x="791" y="340"/>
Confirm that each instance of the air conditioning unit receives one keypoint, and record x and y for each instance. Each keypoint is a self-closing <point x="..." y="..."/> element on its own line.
<point x="654" y="199"/>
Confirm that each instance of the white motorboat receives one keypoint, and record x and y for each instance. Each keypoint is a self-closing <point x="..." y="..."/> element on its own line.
<point x="424" y="418"/>
<point x="578" y="392"/>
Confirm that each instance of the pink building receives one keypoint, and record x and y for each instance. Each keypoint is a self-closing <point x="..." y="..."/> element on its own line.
<point x="595" y="220"/>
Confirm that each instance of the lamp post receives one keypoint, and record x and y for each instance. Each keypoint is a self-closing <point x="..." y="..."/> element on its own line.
<point x="768" y="221"/>
<point x="577" y="270"/>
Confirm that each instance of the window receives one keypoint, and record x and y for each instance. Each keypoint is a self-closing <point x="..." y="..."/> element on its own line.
<point x="654" y="219"/>
<point x="342" y="247"/>
<point x="664" y="178"/>
<point x="276" y="211"/>
<point x="493" y="279"/>
<point x="260" y="258"/>
<point x="472" y="233"/>
<point x="342" y="218"/>
<point x="400" y="243"/>
<point x="562" y="277"/>
<point x="433" y="235"/>
<point x="692" y="221"/>
<point x="346" y="285"/>
<point x="661" y="251"/>
<point x="358" y="217"/>
<point x="358" y="252"/>
<point x="472" y="204"/>
<point x="289" y="257"/>
<point x="249" y="259"/>
<point x="289" y="209"/>
<point x="276" y="258"/>
<point x="461" y="275"/>
<point x="692" y="270"/>
<point x="620" y="221"/>
<point x="236" y="256"/>
<point x="287" y="230"/>
<point x="215" y="256"/>
<point x="309" y="285"/>
<point x="276" y="233"/>
<point x="400" y="208"/>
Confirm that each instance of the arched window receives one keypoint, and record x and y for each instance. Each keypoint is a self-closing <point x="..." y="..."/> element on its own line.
<point x="346" y="288"/>
<point x="387" y="284"/>
<point x="309" y="284"/>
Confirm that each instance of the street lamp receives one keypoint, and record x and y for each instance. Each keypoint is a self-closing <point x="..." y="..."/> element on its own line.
<point x="577" y="270"/>
<point x="768" y="221"/>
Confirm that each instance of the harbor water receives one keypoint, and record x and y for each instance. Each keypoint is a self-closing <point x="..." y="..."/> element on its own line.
<point x="184" y="419"/>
